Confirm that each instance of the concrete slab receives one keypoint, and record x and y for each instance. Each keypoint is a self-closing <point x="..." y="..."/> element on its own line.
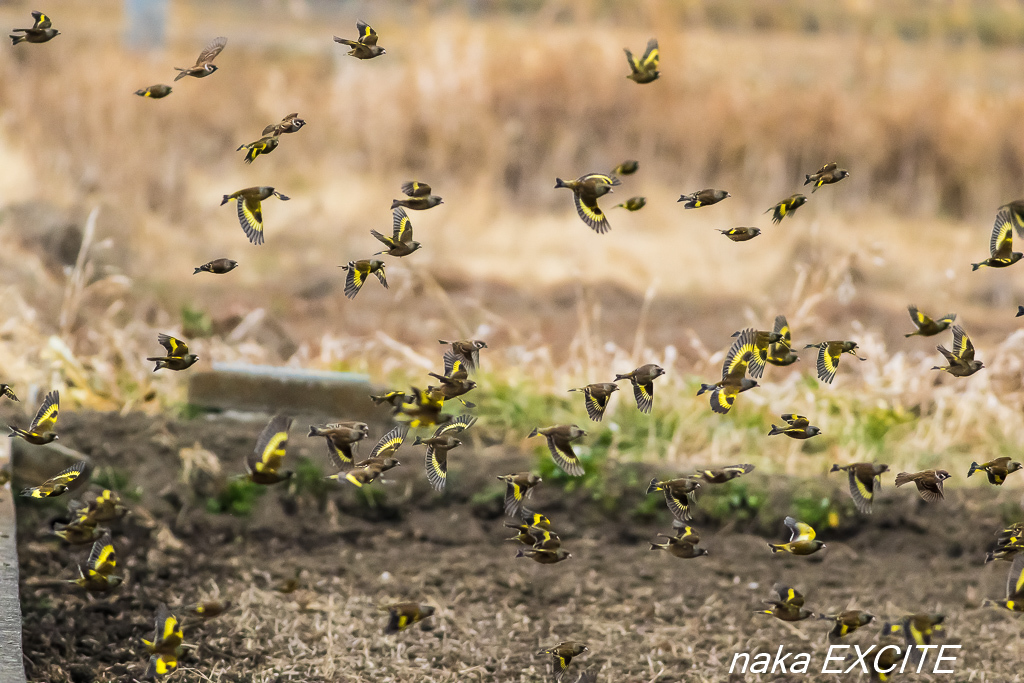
<point x="12" y="668"/>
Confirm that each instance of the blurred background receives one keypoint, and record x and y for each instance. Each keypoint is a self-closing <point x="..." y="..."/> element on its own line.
<point x="108" y="201"/>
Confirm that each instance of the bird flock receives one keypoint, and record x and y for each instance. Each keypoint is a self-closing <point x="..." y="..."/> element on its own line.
<point x="745" y="363"/>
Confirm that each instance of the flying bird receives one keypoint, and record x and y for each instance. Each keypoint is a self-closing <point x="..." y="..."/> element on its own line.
<point x="217" y="266"/>
<point x="401" y="242"/>
<point x="364" y="47"/>
<point x="264" y="145"/>
<point x="1000" y="245"/>
<point x="644" y="69"/>
<point x="560" y="438"/>
<point x="585" y="192"/>
<point x="797" y="427"/>
<point x="786" y="207"/>
<point x="960" y="361"/>
<point x="801" y="540"/>
<point x="41" y="430"/>
<point x="997" y="470"/>
<point x="250" y="209"/>
<point x="927" y="327"/>
<point x="204" y="65"/>
<point x="928" y="482"/>
<point x="289" y="124"/>
<point x="359" y="271"/>
<point x="419" y="197"/>
<point x="865" y="482"/>
<point x="696" y="200"/>
<point x="177" y="358"/>
<point x="596" y="397"/>
<point x="643" y="384"/>
<point x="154" y="92"/>
<point x="829" y="355"/>
<point x="263" y="465"/>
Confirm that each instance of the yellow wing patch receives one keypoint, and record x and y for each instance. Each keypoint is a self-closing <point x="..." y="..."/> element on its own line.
<point x="273" y="453"/>
<point x="250" y="215"/>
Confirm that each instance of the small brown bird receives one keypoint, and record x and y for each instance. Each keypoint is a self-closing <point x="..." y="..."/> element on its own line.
<point x="263" y="465"/>
<point x="250" y="209"/>
<point x="155" y="92"/>
<point x="359" y="271"/>
<point x="632" y="204"/>
<point x="402" y="615"/>
<point x="585" y="192"/>
<point x="560" y="438"/>
<point x="544" y="556"/>
<point x="264" y="145"/>
<point x="289" y="124"/>
<point x="177" y="358"/>
<point x="829" y="354"/>
<point x="781" y="353"/>
<point x="217" y="266"/>
<point x="519" y="487"/>
<point x="1000" y="245"/>
<point x="72" y="477"/>
<point x="801" y="540"/>
<point x="929" y="483"/>
<point x="960" y="362"/>
<point x="1014" y="588"/>
<point x="628" y="167"/>
<point x="563" y="654"/>
<point x="401" y="242"/>
<point x="679" y="494"/>
<point x="596" y="397"/>
<point x="204" y="65"/>
<point x="786" y="207"/>
<point x="997" y="470"/>
<point x="926" y="327"/>
<point x="419" y="197"/>
<point x="438" y="446"/>
<point x="41" y="430"/>
<point x="826" y="175"/>
<point x="741" y="234"/>
<point x="696" y="200"/>
<point x="798" y="427"/>
<point x="846" y="622"/>
<point x="341" y="440"/>
<point x="720" y="475"/>
<point x="468" y="350"/>
<point x="5" y="390"/>
<point x="643" y="384"/>
<point x="645" y="69"/>
<point x="365" y="47"/>
<point x="683" y="545"/>
<point x="787" y="604"/>
<point x="865" y="482"/>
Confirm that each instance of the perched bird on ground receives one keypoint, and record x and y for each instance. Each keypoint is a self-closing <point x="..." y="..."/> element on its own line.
<point x="960" y="362"/>
<point x="518" y="488"/>
<point x="401" y="242"/>
<point x="40" y="32"/>
<point x="798" y="427"/>
<point x="997" y="470"/>
<point x="787" y="604"/>
<point x="541" y="556"/>
<point x="420" y="409"/>
<point x="177" y="358"/>
<point x="165" y="648"/>
<point x="364" y="47"/>
<point x="402" y="615"/>
<point x="560" y="438"/>
<point x="628" y="167"/>
<point x="419" y="197"/>
<point x="250" y="209"/>
<point x="679" y="494"/>
<point x="289" y="124"/>
<point x="596" y="397"/>
<point x="741" y="234"/>
<point x="208" y="609"/>
<point x="632" y="204"/>
<point x="438" y="446"/>
<point x="801" y="540"/>
<point x="59" y="484"/>
<point x="264" y="145"/>
<point x="720" y="475"/>
<point x="359" y="271"/>
<point x="1014" y="588"/>
<point x="826" y="175"/>
<point x="696" y="200"/>
<point x="468" y="350"/>
<point x="645" y="69"/>
<point x="1000" y="246"/>
<point x="786" y="207"/>
<point x="5" y="390"/>
<point x="563" y="654"/>
<point x="41" y="429"/>
<point x="917" y="629"/>
<point x="155" y="92"/>
<point x="643" y="384"/>
<point x="846" y="622"/>
<point x="926" y="327"/>
<point x="829" y="354"/>
<point x="928" y="482"/>
<point x="683" y="545"/>
<point x="865" y="482"/>
<point x="585" y="192"/>
<point x="217" y="266"/>
<point x="341" y="441"/>
<point x="761" y="341"/>
<point x="263" y="465"/>
<point x="453" y="387"/>
<point x="734" y="370"/>
<point x="98" y="575"/>
<point x="781" y="353"/>
<point x="204" y="65"/>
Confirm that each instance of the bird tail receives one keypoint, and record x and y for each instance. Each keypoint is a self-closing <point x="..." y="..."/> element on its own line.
<point x="417" y="441"/>
<point x="160" y="362"/>
<point x="654" y="486"/>
<point x="618" y="377"/>
<point x="395" y="204"/>
<point x="835" y="468"/>
<point x="989" y="556"/>
<point x="777" y="547"/>
<point x="705" y="387"/>
<point x="776" y="430"/>
<point x="314" y="431"/>
<point x="532" y="434"/>
<point x="521" y="552"/>
<point x="807" y="179"/>
<point x="227" y="198"/>
<point x="198" y="270"/>
<point x="903" y="478"/>
<point x="181" y="75"/>
<point x="559" y="183"/>
<point x="16" y="432"/>
<point x="346" y="41"/>
<point x="975" y="266"/>
<point x="974" y="468"/>
<point x="18" y="39"/>
<point x="658" y="546"/>
<point x="377" y="235"/>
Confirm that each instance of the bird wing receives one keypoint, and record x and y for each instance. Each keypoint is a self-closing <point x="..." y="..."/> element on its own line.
<point x="175" y="347"/>
<point x="863" y="492"/>
<point x="740" y="355"/>
<point x="390" y="442"/>
<point x="437" y="467"/>
<point x="1015" y="580"/>
<point x="1001" y="244"/>
<point x="782" y="328"/>
<point x="211" y="51"/>
<point x="340" y="454"/>
<point x="591" y="213"/>
<point x="799" y="531"/>
<point x="102" y="558"/>
<point x="789" y="596"/>
<point x="798" y="421"/>
<point x="931" y="491"/>
<point x="962" y="346"/>
<point x="456" y="425"/>
<point x="634" y="63"/>
<point x="46" y="418"/>
<point x="452" y="363"/>
<point x="381" y="276"/>
<point x="723" y="397"/>
<point x="600" y="178"/>
<point x="595" y="404"/>
<point x="919" y="318"/>
<point x="270" y="446"/>
<point x="250" y="216"/>
<point x="67" y="476"/>
<point x="649" y="62"/>
<point x="354" y="279"/>
<point x="367" y="36"/>
<point x="565" y="457"/>
<point x="402" y="230"/>
<point x="414" y="188"/>
<point x="644" y="395"/>
<point x="828" y="361"/>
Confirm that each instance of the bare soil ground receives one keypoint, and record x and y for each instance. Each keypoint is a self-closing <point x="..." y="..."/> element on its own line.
<point x="646" y="616"/>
